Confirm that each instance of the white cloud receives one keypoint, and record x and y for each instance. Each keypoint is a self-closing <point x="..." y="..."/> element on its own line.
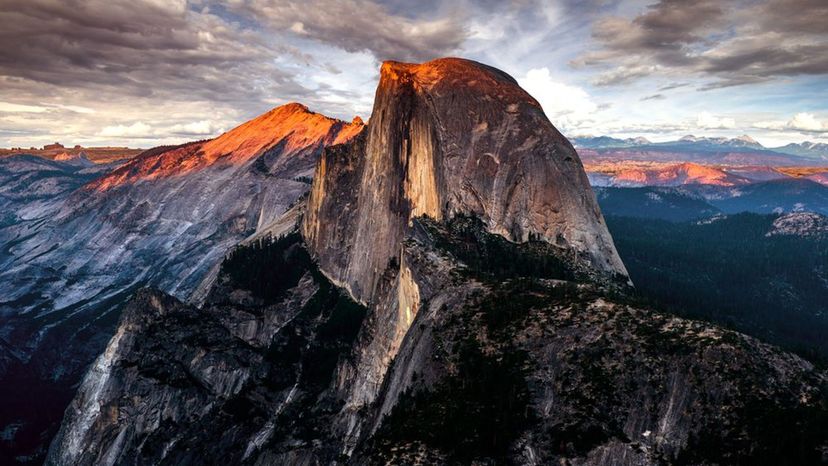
<point x="806" y="122"/>
<point x="565" y="105"/>
<point x="802" y="121"/>
<point x="18" y="108"/>
<point x="76" y="108"/>
<point x="707" y="120"/>
<point x="298" y="28"/>
<point x="202" y="127"/>
<point x="135" y="130"/>
<point x="141" y="130"/>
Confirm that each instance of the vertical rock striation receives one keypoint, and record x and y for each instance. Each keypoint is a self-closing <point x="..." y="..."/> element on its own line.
<point x="452" y="137"/>
<point x="448" y="137"/>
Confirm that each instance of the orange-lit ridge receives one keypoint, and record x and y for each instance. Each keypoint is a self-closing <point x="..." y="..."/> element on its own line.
<point x="651" y="173"/>
<point x="292" y="125"/>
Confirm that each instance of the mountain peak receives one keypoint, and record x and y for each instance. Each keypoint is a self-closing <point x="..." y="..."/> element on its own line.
<point x="291" y="107"/>
<point x="746" y="138"/>
<point x="467" y="73"/>
<point x="292" y="126"/>
<point x="452" y="137"/>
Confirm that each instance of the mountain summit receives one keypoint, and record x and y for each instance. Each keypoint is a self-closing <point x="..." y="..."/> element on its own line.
<point x="292" y="129"/>
<point x="451" y="137"/>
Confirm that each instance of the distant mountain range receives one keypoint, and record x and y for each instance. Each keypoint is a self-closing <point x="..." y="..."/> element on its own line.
<point x="626" y="173"/>
<point x="739" y="150"/>
<point x="59" y="152"/>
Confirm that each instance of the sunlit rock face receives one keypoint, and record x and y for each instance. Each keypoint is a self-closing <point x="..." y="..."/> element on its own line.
<point x="451" y="137"/>
<point x="292" y="131"/>
<point x="448" y="137"/>
<point x="164" y="219"/>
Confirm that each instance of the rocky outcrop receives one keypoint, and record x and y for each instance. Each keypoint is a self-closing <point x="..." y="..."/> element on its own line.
<point x="451" y="137"/>
<point x="540" y="371"/>
<point x="182" y="385"/>
<point x="448" y="137"/>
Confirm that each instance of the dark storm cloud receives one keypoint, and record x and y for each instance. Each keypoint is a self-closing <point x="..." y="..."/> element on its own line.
<point x="135" y="48"/>
<point x="360" y="25"/>
<point x="731" y="42"/>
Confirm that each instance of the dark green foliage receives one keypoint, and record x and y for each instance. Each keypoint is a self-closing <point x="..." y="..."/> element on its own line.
<point x="493" y="256"/>
<point x="512" y="300"/>
<point x="310" y="347"/>
<point x="653" y="202"/>
<point x="772" y="436"/>
<point x="476" y="413"/>
<point x="334" y="336"/>
<point x="268" y="267"/>
<point x="729" y="272"/>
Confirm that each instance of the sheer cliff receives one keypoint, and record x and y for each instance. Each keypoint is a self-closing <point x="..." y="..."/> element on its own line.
<point x="448" y="137"/>
<point x="452" y="137"/>
<point x="448" y="294"/>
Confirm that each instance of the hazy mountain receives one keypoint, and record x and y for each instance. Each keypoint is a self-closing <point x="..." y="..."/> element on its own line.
<point x="775" y="196"/>
<point x="597" y="142"/>
<point x="814" y="150"/>
<point x="637" y="175"/>
<point x="742" y="150"/>
<point x="57" y="151"/>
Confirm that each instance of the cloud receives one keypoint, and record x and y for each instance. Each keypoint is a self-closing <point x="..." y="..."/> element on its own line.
<point x="18" y="108"/>
<point x="731" y="43"/>
<point x="706" y="120"/>
<point x="135" y="130"/>
<point x="361" y="25"/>
<point x="807" y="122"/>
<point x="83" y="66"/>
<point x="624" y="74"/>
<point x="653" y="97"/>
<point x="803" y="121"/>
<point x="141" y="130"/>
<point x="196" y="128"/>
<point x="566" y="106"/>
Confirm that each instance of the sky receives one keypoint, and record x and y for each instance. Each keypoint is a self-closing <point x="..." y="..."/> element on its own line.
<point x="146" y="72"/>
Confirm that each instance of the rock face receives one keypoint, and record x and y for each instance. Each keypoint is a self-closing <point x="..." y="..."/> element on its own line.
<point x="448" y="137"/>
<point x="451" y="296"/>
<point x="165" y="219"/>
<point x="800" y="224"/>
<point x="451" y="137"/>
<point x="181" y="385"/>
